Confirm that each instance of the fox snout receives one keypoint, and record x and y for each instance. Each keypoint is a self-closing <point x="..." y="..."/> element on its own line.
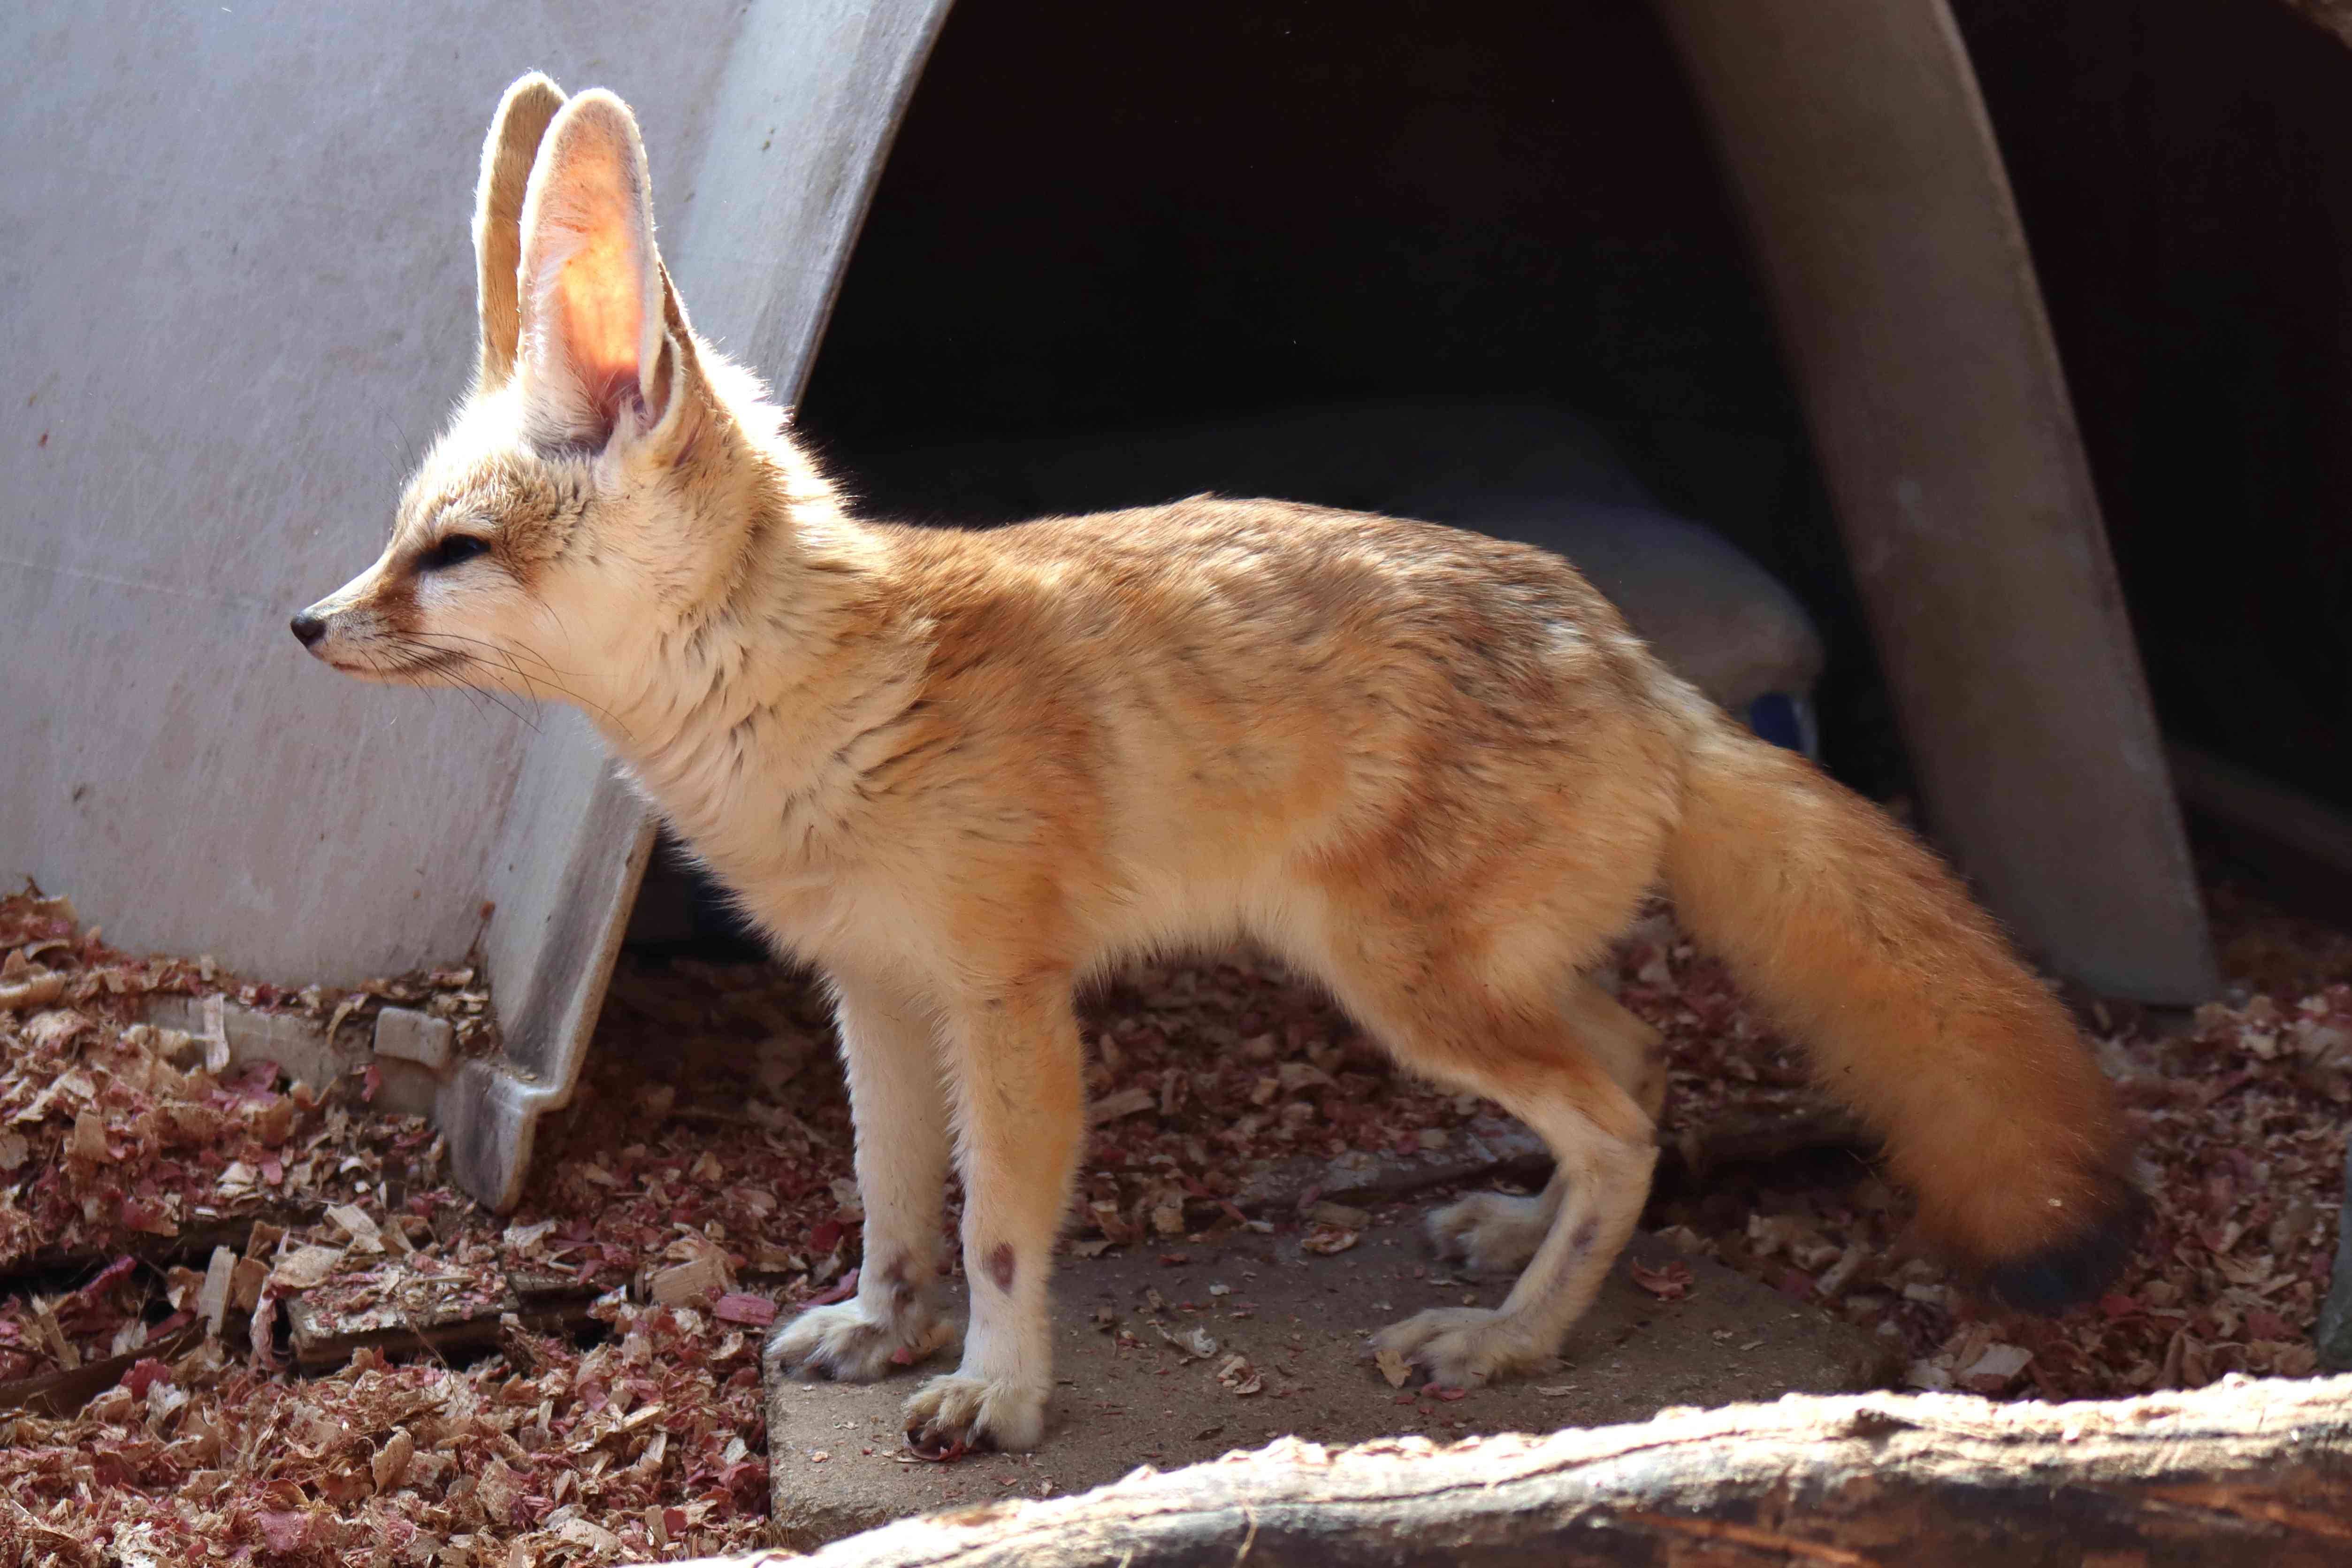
<point x="343" y="629"/>
<point x="312" y="625"/>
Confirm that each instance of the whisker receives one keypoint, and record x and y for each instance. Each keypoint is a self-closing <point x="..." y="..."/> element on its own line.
<point x="532" y="654"/>
<point x="551" y="679"/>
<point x="406" y="667"/>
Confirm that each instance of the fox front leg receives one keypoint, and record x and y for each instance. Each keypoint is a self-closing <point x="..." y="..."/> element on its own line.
<point x="1015" y="1057"/>
<point x="890" y="1051"/>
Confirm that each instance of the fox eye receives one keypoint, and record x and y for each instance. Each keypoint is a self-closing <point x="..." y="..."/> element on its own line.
<point x="453" y="550"/>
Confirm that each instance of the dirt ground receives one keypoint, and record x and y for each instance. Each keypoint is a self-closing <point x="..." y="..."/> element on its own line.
<point x="243" y="1320"/>
<point x="1254" y="1337"/>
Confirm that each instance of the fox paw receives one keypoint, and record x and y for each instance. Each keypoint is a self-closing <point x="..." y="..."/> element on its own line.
<point x="1463" y="1347"/>
<point x="952" y="1414"/>
<point x="845" y="1343"/>
<point x="1490" y="1232"/>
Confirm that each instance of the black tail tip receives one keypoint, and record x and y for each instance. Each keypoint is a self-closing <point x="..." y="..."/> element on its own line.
<point x="2074" y="1270"/>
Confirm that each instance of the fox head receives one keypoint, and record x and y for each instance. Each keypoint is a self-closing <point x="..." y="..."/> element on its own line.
<point x="603" y="471"/>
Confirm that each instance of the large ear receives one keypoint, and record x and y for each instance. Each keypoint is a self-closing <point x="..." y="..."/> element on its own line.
<point x="507" y="153"/>
<point x="594" y="315"/>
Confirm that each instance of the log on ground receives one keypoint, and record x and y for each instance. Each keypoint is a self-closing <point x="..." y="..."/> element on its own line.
<point x="2238" y="1473"/>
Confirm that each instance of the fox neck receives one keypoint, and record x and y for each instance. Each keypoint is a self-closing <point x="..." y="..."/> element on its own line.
<point x="744" y="695"/>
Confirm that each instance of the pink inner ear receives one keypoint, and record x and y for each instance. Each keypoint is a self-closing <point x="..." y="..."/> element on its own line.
<point x="599" y="303"/>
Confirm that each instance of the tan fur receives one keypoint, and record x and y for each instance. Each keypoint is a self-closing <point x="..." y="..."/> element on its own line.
<point x="961" y="772"/>
<point x="1912" y="1006"/>
<point x="506" y="158"/>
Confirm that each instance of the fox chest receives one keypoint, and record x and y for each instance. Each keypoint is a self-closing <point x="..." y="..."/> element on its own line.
<point x="787" y="841"/>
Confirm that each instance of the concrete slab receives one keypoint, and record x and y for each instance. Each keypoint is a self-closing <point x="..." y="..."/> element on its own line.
<point x="1130" y="1398"/>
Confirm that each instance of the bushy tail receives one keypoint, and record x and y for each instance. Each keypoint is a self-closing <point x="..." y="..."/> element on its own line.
<point x="1915" y="1012"/>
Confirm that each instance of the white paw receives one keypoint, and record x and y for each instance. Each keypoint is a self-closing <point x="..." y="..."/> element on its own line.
<point x="844" y="1343"/>
<point x="1463" y="1347"/>
<point x="955" y="1412"/>
<point x="1490" y="1232"/>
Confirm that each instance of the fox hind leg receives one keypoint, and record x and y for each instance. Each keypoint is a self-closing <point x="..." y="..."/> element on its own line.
<point x="1603" y="1181"/>
<point x="1526" y="1054"/>
<point x="1495" y="1232"/>
<point x="1632" y="1052"/>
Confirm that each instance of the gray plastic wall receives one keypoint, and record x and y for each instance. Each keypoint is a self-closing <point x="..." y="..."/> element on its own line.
<point x="235" y="297"/>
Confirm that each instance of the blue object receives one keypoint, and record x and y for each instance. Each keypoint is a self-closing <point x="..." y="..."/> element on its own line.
<point x="1781" y="718"/>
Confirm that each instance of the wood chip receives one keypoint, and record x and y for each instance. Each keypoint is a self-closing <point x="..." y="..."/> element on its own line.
<point x="88" y="1138"/>
<point x="1295" y="1075"/>
<point x="1671" y="1283"/>
<point x="1126" y="1102"/>
<point x="2003" y="1362"/>
<point x="44" y="1323"/>
<point x="528" y="1237"/>
<point x="1238" y="1375"/>
<point x="737" y="1307"/>
<point x="594" y="1537"/>
<point x="1841" y="1274"/>
<point x="390" y="1463"/>
<point x="359" y="1226"/>
<point x="245" y="1281"/>
<point x="212" y="1299"/>
<point x="305" y="1268"/>
<point x="497" y="1490"/>
<point x="37" y="992"/>
<point x="1328" y="1239"/>
<point x="1194" y="1344"/>
<point x="697" y="1277"/>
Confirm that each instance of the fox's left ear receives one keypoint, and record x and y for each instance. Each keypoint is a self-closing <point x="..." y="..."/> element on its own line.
<point x="508" y="155"/>
<point x="604" y="351"/>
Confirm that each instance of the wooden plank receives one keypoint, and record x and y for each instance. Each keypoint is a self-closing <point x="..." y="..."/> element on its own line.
<point x="1858" y="149"/>
<point x="64" y="1392"/>
<point x="421" y="1319"/>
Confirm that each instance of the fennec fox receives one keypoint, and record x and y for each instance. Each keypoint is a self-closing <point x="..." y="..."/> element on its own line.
<point x="963" y="772"/>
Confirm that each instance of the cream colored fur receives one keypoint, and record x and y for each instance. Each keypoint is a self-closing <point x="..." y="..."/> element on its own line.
<point x="963" y="772"/>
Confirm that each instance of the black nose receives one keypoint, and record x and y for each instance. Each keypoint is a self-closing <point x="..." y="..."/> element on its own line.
<point x="308" y="627"/>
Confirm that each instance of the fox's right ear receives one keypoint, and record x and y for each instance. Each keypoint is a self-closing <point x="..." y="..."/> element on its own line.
<point x="507" y="153"/>
<point x="605" y="349"/>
